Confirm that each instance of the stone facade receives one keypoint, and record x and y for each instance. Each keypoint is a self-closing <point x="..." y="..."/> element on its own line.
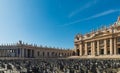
<point x="21" y="50"/>
<point x="105" y="41"/>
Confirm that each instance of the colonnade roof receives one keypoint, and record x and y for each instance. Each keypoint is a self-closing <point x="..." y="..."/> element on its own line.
<point x="22" y="44"/>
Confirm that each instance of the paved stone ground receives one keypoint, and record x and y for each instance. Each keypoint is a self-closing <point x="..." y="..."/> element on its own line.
<point x="71" y="57"/>
<point x="64" y="65"/>
<point x="73" y="64"/>
<point x="96" y="57"/>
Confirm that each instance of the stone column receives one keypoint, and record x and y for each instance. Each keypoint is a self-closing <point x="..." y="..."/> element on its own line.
<point x="22" y="52"/>
<point x="0" y="52"/>
<point x="86" y="50"/>
<point x="14" y="52"/>
<point x="31" y="53"/>
<point x="80" y="49"/>
<point x="105" y="47"/>
<point x="111" y="46"/>
<point x="91" y="45"/>
<point x="115" y="47"/>
<point x="26" y="53"/>
<point x="3" y="53"/>
<point x="17" y="54"/>
<point x="93" y="48"/>
<point x="75" y="49"/>
<point x="10" y="52"/>
<point x="98" y="48"/>
<point x="19" y="49"/>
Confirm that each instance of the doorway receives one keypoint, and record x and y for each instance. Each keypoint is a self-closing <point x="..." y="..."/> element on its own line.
<point x="118" y="50"/>
<point x="102" y="51"/>
<point x="78" y="52"/>
<point x="89" y="52"/>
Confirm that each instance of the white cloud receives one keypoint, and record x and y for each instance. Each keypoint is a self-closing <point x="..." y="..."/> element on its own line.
<point x="87" y="5"/>
<point x="94" y="16"/>
<point x="102" y="14"/>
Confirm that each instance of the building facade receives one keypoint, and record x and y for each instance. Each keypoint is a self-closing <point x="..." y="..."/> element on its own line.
<point x="105" y="41"/>
<point x="21" y="50"/>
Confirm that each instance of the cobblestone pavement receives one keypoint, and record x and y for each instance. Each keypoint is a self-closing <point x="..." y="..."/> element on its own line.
<point x="60" y="66"/>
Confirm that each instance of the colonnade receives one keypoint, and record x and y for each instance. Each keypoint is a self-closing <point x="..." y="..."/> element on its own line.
<point x="21" y="50"/>
<point x="18" y="52"/>
<point x="109" y="46"/>
<point x="9" y="53"/>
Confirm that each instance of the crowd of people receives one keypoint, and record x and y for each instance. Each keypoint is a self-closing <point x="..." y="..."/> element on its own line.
<point x="60" y="66"/>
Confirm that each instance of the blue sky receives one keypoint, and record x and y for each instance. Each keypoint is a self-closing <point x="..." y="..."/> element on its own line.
<point x="53" y="22"/>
